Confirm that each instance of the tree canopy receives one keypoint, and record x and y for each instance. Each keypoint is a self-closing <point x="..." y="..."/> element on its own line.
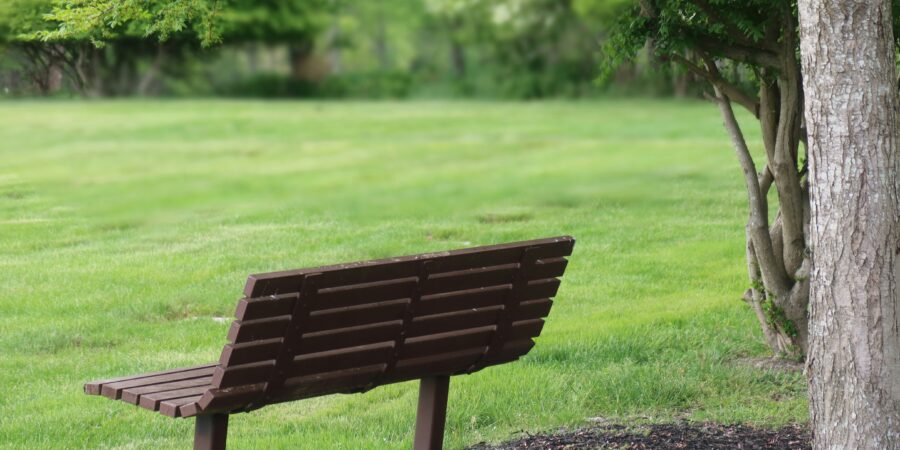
<point x="748" y="53"/>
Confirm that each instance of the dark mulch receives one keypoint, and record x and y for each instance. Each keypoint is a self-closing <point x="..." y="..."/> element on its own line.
<point x="682" y="435"/>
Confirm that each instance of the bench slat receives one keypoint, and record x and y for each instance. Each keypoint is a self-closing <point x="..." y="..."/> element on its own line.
<point x="457" y="320"/>
<point x="260" y="285"/>
<point x="133" y="395"/>
<point x="346" y="381"/>
<point x="94" y="387"/>
<point x="152" y="401"/>
<point x="235" y="354"/>
<point x="447" y="342"/>
<point x="346" y="358"/>
<point x="176" y="407"/>
<point x="421" y="325"/>
<point x="294" y="388"/>
<point x="114" y="390"/>
<point x="278" y="305"/>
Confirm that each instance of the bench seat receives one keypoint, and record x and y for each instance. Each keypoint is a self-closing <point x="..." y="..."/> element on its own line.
<point x="173" y="393"/>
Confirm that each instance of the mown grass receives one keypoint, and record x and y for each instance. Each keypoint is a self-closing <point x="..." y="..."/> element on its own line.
<point x="128" y="228"/>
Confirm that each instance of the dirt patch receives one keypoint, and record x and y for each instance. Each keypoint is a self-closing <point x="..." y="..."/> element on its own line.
<point x="682" y="435"/>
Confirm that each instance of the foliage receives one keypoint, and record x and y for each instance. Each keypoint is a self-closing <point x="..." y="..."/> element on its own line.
<point x="101" y="20"/>
<point x="723" y="28"/>
<point x="536" y="47"/>
<point x="271" y="21"/>
<point x="212" y="21"/>
<point x="22" y="17"/>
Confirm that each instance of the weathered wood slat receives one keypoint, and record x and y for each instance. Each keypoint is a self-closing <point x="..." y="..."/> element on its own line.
<point x="446" y="363"/>
<point x="525" y="329"/>
<point x="350" y="337"/>
<point x="462" y="280"/>
<point x="152" y="401"/>
<point x="175" y="407"/>
<point x="114" y="390"/>
<point x="447" y="342"/>
<point x="377" y="270"/>
<point x="236" y="354"/>
<point x="294" y="388"/>
<point x="94" y="387"/>
<point x="480" y="298"/>
<point x="511" y="351"/>
<point x="259" y="329"/>
<point x="305" y="364"/>
<point x="264" y="307"/>
<point x="354" y="295"/>
<point x="457" y="320"/>
<point x="533" y="309"/>
<point x="331" y="319"/>
<point x="546" y="268"/>
<point x="346" y="358"/>
<point x="133" y="395"/>
<point x="259" y="340"/>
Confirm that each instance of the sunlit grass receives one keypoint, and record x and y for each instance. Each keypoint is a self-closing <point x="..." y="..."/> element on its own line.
<point x="127" y="228"/>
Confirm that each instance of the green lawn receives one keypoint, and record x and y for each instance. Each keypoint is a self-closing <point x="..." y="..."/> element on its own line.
<point x="127" y="228"/>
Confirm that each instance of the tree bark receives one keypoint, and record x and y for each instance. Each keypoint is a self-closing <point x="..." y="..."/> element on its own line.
<point x="851" y="106"/>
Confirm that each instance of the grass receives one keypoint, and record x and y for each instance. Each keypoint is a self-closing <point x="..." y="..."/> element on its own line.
<point x="127" y="230"/>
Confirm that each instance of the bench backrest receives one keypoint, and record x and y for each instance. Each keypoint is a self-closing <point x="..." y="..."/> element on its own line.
<point x="351" y="327"/>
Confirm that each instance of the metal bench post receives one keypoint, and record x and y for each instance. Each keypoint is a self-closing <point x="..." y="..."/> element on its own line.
<point x="210" y="432"/>
<point x="432" y="413"/>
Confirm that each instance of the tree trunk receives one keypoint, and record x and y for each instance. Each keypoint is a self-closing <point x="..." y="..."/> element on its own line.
<point x="854" y="357"/>
<point x="152" y="75"/>
<point x="457" y="58"/>
<point x="299" y="55"/>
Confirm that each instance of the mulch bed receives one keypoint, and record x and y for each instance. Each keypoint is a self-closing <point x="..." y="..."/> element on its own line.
<point x="681" y="435"/>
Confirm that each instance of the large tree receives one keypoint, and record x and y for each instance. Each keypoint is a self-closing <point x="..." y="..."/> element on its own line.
<point x="757" y="42"/>
<point x="850" y="81"/>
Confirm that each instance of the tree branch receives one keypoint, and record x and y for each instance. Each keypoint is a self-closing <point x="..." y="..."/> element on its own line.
<point x="741" y="53"/>
<point x="784" y="164"/>
<point x="715" y="78"/>
<point x="774" y="278"/>
<point x="647" y="9"/>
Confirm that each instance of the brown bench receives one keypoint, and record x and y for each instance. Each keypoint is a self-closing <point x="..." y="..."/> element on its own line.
<point x="351" y="327"/>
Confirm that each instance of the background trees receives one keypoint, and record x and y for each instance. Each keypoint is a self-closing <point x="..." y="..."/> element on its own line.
<point x="506" y="48"/>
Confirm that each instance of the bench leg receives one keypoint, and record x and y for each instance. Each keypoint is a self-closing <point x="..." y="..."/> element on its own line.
<point x="432" y="413"/>
<point x="210" y="432"/>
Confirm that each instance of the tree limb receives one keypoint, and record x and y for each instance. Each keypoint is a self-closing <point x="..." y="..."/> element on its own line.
<point x="647" y="9"/>
<point x="741" y="53"/>
<point x="774" y="278"/>
<point x="736" y="95"/>
<point x="784" y="161"/>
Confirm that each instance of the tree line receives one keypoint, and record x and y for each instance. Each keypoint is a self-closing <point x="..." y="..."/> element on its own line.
<point x="325" y="48"/>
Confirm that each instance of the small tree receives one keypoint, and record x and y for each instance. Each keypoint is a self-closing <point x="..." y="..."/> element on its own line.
<point x="759" y="39"/>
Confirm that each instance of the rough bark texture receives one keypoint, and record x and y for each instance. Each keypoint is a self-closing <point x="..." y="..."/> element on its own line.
<point x="854" y="356"/>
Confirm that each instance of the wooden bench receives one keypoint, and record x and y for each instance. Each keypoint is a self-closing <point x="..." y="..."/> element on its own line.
<point x="351" y="327"/>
